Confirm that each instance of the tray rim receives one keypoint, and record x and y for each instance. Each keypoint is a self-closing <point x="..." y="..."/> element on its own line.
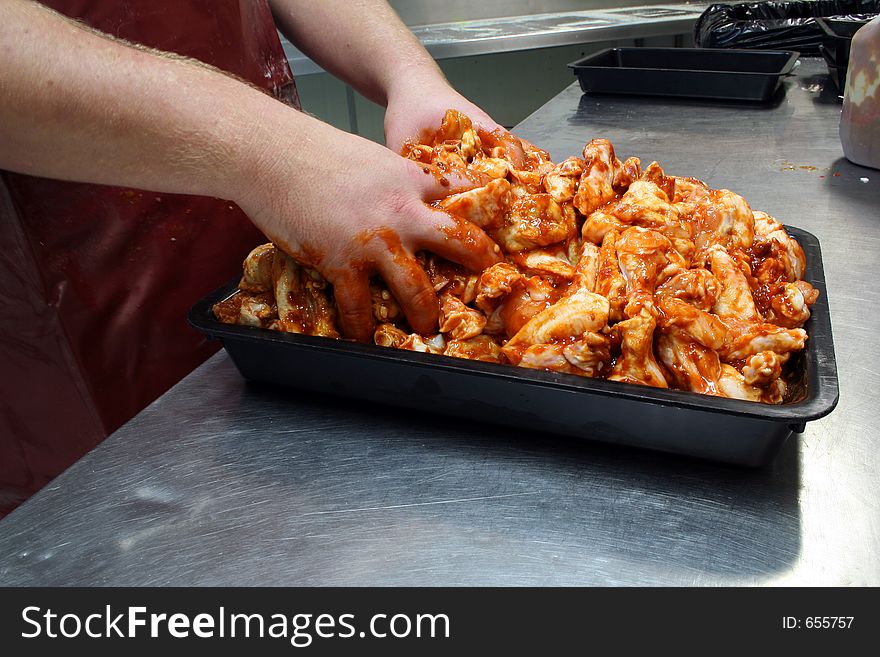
<point x="827" y="24"/>
<point x="792" y="57"/>
<point x="812" y="407"/>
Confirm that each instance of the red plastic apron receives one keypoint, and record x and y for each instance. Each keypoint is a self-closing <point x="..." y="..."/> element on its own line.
<point x="95" y="281"/>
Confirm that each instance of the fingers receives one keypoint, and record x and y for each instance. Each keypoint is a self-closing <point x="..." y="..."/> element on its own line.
<point x="456" y="239"/>
<point x="413" y="290"/>
<point x="352" y="292"/>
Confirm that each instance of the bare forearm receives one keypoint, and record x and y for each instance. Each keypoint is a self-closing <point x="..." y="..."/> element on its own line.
<point x="361" y="41"/>
<point x="78" y="106"/>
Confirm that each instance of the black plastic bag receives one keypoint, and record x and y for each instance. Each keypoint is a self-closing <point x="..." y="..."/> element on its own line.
<point x="775" y="25"/>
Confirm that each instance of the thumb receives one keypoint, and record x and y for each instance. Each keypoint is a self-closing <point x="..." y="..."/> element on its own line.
<point x="437" y="182"/>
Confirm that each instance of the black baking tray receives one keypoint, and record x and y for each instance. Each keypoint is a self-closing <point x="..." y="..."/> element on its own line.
<point x="837" y="34"/>
<point x="718" y="429"/>
<point x="835" y="70"/>
<point x="709" y="73"/>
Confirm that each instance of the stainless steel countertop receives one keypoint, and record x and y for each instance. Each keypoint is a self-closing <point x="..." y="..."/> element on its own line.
<point x="511" y="33"/>
<point x="222" y="482"/>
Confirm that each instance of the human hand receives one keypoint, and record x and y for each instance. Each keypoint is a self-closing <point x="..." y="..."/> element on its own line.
<point x="416" y="108"/>
<point x="352" y="209"/>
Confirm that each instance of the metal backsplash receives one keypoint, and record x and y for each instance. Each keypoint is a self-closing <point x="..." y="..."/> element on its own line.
<point x="426" y="12"/>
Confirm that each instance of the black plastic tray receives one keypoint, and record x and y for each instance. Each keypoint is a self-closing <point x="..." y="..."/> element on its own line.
<point x="836" y="41"/>
<point x="835" y="70"/>
<point x="713" y="73"/>
<point x="727" y="430"/>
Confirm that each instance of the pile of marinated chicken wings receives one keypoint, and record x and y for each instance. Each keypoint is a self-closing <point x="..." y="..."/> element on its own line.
<point x="611" y="271"/>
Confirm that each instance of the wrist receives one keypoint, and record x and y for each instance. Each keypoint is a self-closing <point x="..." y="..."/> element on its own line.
<point x="415" y="80"/>
<point x="253" y="134"/>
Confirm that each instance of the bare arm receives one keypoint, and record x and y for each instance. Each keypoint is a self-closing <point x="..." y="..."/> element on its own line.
<point x="78" y="106"/>
<point x="366" y="44"/>
<point x="360" y="41"/>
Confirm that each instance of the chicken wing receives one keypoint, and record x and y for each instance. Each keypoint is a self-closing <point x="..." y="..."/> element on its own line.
<point x="698" y="325"/>
<point x="637" y="363"/>
<point x="301" y="297"/>
<point x="698" y="287"/>
<point x="722" y="217"/>
<point x="529" y="297"/>
<point x="534" y="221"/>
<point x="494" y="283"/>
<point x="484" y="206"/>
<point x="587" y="356"/>
<point x="646" y="258"/>
<point x="562" y="181"/>
<point x="735" y="300"/>
<point x="545" y="262"/>
<point x="596" y="186"/>
<point x="458" y="321"/>
<point x="570" y="318"/>
<point x="482" y="347"/>
<point x="692" y="365"/>
<point x="258" y="271"/>
<point x="610" y="282"/>
<point x="733" y="384"/>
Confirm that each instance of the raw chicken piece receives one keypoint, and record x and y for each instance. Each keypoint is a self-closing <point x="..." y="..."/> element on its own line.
<point x="491" y="166"/>
<point x="587" y="269"/>
<point x="599" y="224"/>
<point x="570" y="318"/>
<point x="733" y="384"/>
<point x="385" y="307"/>
<point x="453" y="127"/>
<point x="435" y="344"/>
<point x="248" y="310"/>
<point x="698" y="287"/>
<point x="653" y="173"/>
<point x="529" y="297"/>
<point x="484" y="206"/>
<point x="301" y="297"/>
<point x="763" y="368"/>
<point x="596" y="187"/>
<point x="722" y="217"/>
<point x="764" y="224"/>
<point x="449" y="277"/>
<point x="645" y="204"/>
<point x="646" y="258"/>
<point x="494" y="283"/>
<point x="786" y="304"/>
<point x="588" y="356"/>
<point x="687" y="194"/>
<point x="777" y="257"/>
<point x="562" y="181"/>
<point x="627" y="174"/>
<point x="388" y="335"/>
<point x="698" y="325"/>
<point x="610" y="282"/>
<point x="534" y="221"/>
<point x="591" y="354"/>
<point x="258" y="270"/>
<point x="636" y="363"/>
<point x="735" y="300"/>
<point x="750" y="339"/>
<point x="544" y="262"/>
<point x="481" y="347"/>
<point x="457" y="321"/>
<point x="692" y="366"/>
